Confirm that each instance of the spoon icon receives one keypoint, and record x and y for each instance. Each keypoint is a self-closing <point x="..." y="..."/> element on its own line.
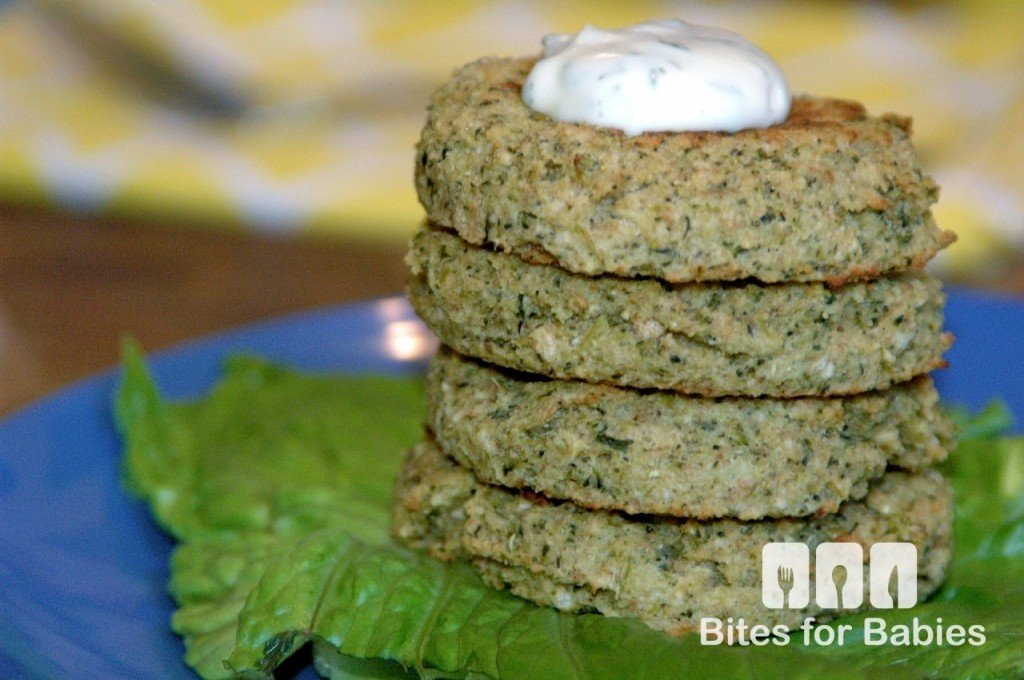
<point x="839" y="576"/>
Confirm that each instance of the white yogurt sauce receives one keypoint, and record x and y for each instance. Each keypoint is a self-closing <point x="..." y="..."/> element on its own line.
<point x="658" y="76"/>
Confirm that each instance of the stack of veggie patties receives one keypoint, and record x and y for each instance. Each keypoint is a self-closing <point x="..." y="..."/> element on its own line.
<point x="662" y="352"/>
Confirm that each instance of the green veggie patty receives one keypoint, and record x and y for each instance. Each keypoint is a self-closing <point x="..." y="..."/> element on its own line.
<point x="783" y="340"/>
<point x="671" y="454"/>
<point x="831" y="194"/>
<point x="666" y="572"/>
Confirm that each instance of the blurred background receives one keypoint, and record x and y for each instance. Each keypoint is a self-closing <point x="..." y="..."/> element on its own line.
<point x="173" y="167"/>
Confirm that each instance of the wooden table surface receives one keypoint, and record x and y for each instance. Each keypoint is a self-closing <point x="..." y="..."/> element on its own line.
<point x="71" y="287"/>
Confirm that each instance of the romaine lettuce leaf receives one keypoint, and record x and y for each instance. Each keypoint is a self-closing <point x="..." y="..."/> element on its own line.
<point x="278" y="486"/>
<point x="268" y="450"/>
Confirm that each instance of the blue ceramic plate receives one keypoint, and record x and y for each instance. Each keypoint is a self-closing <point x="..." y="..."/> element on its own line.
<point x="83" y="570"/>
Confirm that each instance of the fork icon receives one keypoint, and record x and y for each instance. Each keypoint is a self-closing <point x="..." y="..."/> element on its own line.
<point x="785" y="579"/>
<point x="785" y="575"/>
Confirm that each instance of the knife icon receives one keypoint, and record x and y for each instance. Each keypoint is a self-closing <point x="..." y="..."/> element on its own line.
<point x="894" y="585"/>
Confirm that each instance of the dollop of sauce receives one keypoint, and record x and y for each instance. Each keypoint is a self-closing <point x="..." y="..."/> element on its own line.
<point x="658" y="76"/>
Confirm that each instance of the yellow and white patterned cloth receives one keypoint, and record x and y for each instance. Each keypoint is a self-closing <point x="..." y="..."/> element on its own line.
<point x="298" y="115"/>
